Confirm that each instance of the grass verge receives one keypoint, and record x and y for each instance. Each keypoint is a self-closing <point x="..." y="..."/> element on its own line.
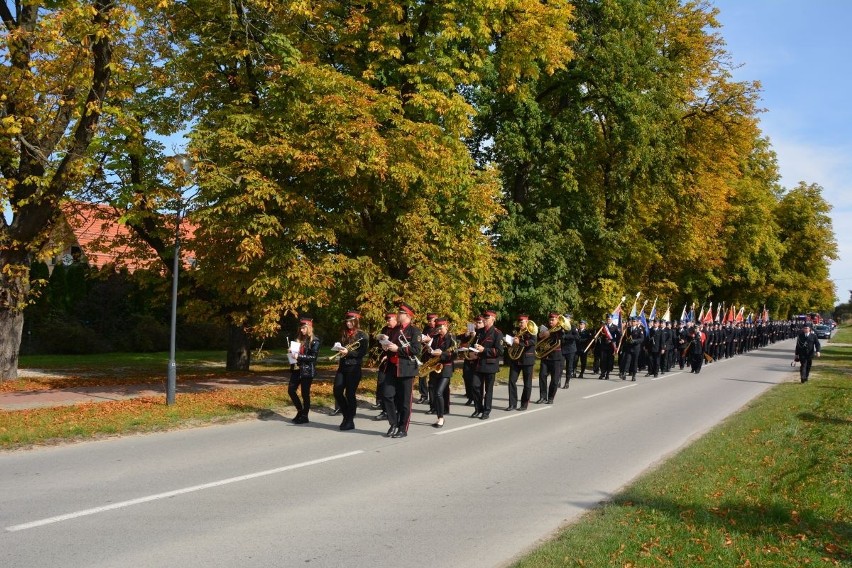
<point x="771" y="486"/>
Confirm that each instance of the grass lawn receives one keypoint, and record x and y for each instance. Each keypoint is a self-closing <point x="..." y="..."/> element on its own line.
<point x="771" y="486"/>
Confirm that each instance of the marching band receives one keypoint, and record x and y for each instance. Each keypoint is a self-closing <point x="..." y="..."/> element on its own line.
<point x="404" y="354"/>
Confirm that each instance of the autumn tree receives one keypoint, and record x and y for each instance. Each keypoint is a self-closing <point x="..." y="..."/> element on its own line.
<point x="58" y="62"/>
<point x="618" y="169"/>
<point x="805" y="230"/>
<point x="332" y="165"/>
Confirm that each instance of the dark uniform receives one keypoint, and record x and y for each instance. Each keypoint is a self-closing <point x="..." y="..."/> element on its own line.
<point x="634" y="337"/>
<point x="807" y="344"/>
<point x="398" y="387"/>
<point x="608" y="343"/>
<point x="551" y="364"/>
<point x="348" y="374"/>
<point x="490" y="340"/>
<point x="390" y="333"/>
<point x="570" y="338"/>
<point x="422" y="383"/>
<point x="522" y="366"/>
<point x="302" y="373"/>
<point x="585" y="337"/>
<point x="439" y="381"/>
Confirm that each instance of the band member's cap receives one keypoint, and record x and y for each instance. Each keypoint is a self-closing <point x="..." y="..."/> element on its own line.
<point x="553" y="315"/>
<point x="489" y="313"/>
<point x="478" y="319"/>
<point x="406" y="309"/>
<point x="431" y="315"/>
<point x="441" y="321"/>
<point x="390" y="315"/>
<point x="352" y="315"/>
<point x="583" y="321"/>
<point x="523" y="317"/>
<point x="307" y="321"/>
<point x="609" y="316"/>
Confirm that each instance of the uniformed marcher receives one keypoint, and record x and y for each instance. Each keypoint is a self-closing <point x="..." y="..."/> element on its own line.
<point x="302" y="372"/>
<point x="386" y="367"/>
<point x="489" y="346"/>
<point x="807" y="344"/>
<point x="406" y="349"/>
<point x="427" y="333"/>
<point x="585" y="337"/>
<point x="634" y="337"/>
<point x="355" y="343"/>
<point x="522" y="364"/>
<point x="570" y="338"/>
<point x="551" y="362"/>
<point x="608" y="343"/>
<point x="443" y="348"/>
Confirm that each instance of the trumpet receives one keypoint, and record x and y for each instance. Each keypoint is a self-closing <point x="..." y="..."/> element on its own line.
<point x="549" y="343"/>
<point x="405" y="344"/>
<point x="350" y="347"/>
<point x="517" y="348"/>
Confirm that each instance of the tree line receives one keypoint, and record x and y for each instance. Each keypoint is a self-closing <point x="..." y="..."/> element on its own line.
<point x="520" y="155"/>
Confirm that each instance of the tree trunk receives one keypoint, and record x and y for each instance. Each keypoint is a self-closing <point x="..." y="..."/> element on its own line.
<point x="239" y="350"/>
<point x="11" y="324"/>
<point x="13" y="294"/>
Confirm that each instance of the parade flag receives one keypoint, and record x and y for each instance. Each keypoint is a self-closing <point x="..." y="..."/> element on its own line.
<point x="729" y="318"/>
<point x="719" y="309"/>
<point x="709" y="317"/>
<point x="700" y="315"/>
<point x="739" y="317"/>
<point x="653" y="315"/>
<point x="667" y="316"/>
<point x="749" y="318"/>
<point x="765" y="314"/>
<point x="642" y="319"/>
<point x="691" y="315"/>
<point x="616" y="313"/>
<point x="683" y="313"/>
<point x="633" y="309"/>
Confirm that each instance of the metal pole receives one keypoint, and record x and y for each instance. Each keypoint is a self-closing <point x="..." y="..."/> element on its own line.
<point x="171" y="383"/>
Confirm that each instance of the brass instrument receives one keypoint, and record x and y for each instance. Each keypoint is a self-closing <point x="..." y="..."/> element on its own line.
<point x="351" y="347"/>
<point x="405" y="344"/>
<point x="517" y="348"/>
<point x="472" y="354"/>
<point x="549" y="343"/>
<point x="433" y="364"/>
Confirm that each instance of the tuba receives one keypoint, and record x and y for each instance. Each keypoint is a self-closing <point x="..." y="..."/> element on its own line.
<point x="549" y="343"/>
<point x="516" y="350"/>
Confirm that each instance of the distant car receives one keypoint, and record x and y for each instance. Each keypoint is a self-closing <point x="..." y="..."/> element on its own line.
<point x="822" y="331"/>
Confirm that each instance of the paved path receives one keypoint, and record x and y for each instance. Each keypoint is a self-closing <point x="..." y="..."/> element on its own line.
<point x="22" y="400"/>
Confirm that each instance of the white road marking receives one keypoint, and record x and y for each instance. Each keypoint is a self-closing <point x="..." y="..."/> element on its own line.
<point x="168" y="494"/>
<point x="478" y="422"/>
<point x="611" y="390"/>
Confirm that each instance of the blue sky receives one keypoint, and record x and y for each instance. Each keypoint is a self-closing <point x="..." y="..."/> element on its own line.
<point x="801" y="53"/>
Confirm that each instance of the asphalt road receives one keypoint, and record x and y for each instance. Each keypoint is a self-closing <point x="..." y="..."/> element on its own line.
<point x="270" y="493"/>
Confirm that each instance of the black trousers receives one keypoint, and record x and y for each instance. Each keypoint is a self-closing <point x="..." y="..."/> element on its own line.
<point x="483" y="391"/>
<point x="380" y="387"/>
<point x="696" y="360"/>
<point x="467" y="376"/>
<point x="398" y="400"/>
<point x="568" y="362"/>
<point x="526" y="372"/>
<point x="345" y="384"/>
<point x="583" y="357"/>
<point x="654" y="363"/>
<point x="607" y="360"/>
<point x="423" y="387"/>
<point x="554" y="370"/>
<point x="303" y="405"/>
<point x="804" y="367"/>
<point x="631" y="362"/>
<point x="439" y="388"/>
